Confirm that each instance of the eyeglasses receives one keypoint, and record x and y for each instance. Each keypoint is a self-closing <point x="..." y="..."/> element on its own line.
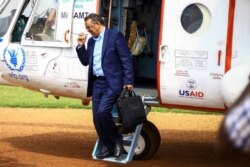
<point x="90" y="26"/>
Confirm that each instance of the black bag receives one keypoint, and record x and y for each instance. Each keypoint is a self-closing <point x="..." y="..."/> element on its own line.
<point x="131" y="109"/>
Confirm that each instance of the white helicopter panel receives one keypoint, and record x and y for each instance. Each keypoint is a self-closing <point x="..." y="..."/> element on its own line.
<point x="192" y="59"/>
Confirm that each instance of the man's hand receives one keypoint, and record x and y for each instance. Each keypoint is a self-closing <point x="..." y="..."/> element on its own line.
<point x="81" y="39"/>
<point x="128" y="87"/>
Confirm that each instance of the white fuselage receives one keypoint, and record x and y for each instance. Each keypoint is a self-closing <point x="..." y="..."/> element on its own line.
<point x="201" y="49"/>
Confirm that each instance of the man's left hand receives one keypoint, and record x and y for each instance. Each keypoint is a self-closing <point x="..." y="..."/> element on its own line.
<point x="128" y="87"/>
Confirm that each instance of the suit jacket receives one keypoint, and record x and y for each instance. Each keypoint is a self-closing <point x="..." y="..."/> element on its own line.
<point x="116" y="61"/>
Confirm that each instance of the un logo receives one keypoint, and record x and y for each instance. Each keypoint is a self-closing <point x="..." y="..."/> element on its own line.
<point x="14" y="58"/>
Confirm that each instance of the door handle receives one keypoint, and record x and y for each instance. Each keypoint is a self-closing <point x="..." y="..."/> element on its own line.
<point x="219" y="57"/>
<point x="164" y="54"/>
<point x="65" y="36"/>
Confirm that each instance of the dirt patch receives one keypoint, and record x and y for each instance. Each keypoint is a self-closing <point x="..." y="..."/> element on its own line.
<point x="66" y="137"/>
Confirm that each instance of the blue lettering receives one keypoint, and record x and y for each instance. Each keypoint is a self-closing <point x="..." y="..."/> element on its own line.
<point x="184" y="92"/>
<point x="80" y="15"/>
<point x="64" y="15"/>
<point x="181" y="93"/>
<point x="78" y="6"/>
<point x="19" y="77"/>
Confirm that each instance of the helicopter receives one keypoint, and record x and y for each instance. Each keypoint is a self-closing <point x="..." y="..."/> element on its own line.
<point x="196" y="53"/>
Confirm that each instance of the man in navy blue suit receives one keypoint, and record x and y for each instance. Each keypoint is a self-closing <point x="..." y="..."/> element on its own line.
<point x="110" y="71"/>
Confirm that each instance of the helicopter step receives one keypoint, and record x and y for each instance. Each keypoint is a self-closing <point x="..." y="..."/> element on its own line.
<point x="130" y="140"/>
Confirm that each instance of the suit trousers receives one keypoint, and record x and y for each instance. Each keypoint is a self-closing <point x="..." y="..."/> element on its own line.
<point x="103" y="100"/>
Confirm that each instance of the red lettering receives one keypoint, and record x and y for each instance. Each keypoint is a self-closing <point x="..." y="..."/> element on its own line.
<point x="192" y="94"/>
<point x="196" y="94"/>
<point x="200" y="94"/>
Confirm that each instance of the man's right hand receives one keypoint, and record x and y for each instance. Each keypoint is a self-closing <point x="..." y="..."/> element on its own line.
<point x="81" y="39"/>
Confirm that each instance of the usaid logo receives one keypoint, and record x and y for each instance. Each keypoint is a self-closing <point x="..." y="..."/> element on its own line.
<point x="191" y="85"/>
<point x="14" y="58"/>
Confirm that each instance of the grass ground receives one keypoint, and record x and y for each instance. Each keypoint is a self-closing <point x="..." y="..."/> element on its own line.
<point x="23" y="98"/>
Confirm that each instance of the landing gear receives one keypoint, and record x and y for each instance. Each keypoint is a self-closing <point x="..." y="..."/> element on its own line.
<point x="148" y="142"/>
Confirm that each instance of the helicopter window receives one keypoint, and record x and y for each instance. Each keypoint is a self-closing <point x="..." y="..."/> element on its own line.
<point x="43" y="26"/>
<point x="8" y="9"/>
<point x="195" y="18"/>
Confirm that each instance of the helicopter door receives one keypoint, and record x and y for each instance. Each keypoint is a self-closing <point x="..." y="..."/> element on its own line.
<point x="50" y="24"/>
<point x="241" y="33"/>
<point x="192" y="53"/>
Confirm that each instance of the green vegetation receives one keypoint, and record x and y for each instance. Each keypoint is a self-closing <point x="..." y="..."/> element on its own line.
<point x="24" y="98"/>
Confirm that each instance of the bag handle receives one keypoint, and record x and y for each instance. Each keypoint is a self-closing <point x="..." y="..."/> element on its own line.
<point x="121" y="97"/>
<point x="127" y="92"/>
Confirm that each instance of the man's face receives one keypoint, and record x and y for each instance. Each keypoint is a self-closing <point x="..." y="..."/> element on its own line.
<point x="93" y="28"/>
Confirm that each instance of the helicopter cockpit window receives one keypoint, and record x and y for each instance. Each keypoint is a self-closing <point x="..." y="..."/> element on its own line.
<point x="195" y="18"/>
<point x="8" y="9"/>
<point x="43" y="26"/>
